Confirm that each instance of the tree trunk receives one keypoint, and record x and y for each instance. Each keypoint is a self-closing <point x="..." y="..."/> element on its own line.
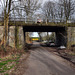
<point x="6" y="21"/>
<point x="5" y="30"/>
<point x="27" y="37"/>
<point x="47" y="36"/>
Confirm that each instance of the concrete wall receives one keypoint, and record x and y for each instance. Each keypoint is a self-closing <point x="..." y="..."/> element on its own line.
<point x="71" y="35"/>
<point x="1" y="32"/>
<point x="21" y="37"/>
<point x="12" y="35"/>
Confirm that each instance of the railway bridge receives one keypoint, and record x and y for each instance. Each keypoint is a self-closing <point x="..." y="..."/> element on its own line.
<point x="61" y="29"/>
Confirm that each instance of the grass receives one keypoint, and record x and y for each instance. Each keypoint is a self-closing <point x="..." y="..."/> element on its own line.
<point x="8" y="64"/>
<point x="9" y="59"/>
<point x="0" y="59"/>
<point x="6" y="74"/>
<point x="4" y="67"/>
<point x="2" y="64"/>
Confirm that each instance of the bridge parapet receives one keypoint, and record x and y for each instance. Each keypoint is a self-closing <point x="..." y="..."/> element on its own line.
<point x="25" y="22"/>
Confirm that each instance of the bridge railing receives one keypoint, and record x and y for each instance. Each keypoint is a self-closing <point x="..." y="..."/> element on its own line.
<point x="26" y="20"/>
<point x="60" y="20"/>
<point x="31" y="20"/>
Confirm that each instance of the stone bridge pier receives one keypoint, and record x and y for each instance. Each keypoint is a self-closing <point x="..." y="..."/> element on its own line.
<point x="61" y="38"/>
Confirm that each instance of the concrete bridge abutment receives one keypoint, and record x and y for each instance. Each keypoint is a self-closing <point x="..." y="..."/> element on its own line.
<point x="61" y="37"/>
<point x="61" y="34"/>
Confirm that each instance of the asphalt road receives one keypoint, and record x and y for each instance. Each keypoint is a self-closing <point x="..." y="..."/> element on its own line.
<point x="42" y="62"/>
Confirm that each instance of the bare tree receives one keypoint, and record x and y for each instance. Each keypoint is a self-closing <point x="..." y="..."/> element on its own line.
<point x="69" y="8"/>
<point x="30" y="6"/>
<point x="39" y="33"/>
<point x="7" y="8"/>
<point x="6" y="21"/>
<point x="61" y="10"/>
<point x="49" y="10"/>
<point x="26" y="8"/>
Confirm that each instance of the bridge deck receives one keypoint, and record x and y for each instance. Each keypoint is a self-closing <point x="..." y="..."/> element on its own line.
<point x="22" y="23"/>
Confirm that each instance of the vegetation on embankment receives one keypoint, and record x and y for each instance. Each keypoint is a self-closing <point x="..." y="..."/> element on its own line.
<point x="9" y="58"/>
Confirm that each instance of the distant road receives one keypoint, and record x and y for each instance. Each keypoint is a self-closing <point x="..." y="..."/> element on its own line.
<point x="42" y="62"/>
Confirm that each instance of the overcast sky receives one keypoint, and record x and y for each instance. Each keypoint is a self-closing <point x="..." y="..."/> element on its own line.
<point x="48" y="0"/>
<point x="35" y="34"/>
<point x="44" y="1"/>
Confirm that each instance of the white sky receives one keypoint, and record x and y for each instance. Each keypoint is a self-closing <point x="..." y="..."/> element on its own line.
<point x="44" y="1"/>
<point x="49" y="0"/>
<point x="35" y="34"/>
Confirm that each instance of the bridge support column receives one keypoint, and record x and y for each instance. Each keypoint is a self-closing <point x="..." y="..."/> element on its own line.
<point x="71" y="37"/>
<point x="24" y="38"/>
<point x="16" y="36"/>
<point x="25" y="43"/>
<point x="61" y="38"/>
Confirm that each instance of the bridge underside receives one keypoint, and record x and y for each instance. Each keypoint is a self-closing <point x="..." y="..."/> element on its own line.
<point x="60" y="32"/>
<point x="43" y="28"/>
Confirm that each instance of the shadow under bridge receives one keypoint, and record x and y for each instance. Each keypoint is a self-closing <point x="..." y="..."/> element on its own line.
<point x="60" y="32"/>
